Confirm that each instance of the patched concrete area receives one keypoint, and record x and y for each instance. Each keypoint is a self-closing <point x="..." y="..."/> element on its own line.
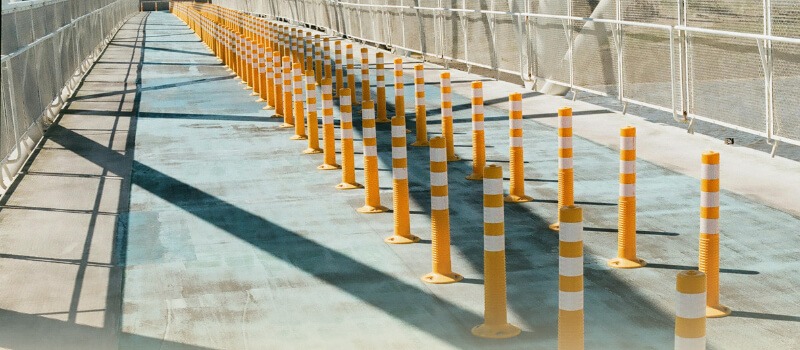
<point x="212" y="230"/>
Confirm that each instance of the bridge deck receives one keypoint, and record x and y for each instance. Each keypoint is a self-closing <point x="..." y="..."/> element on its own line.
<point x="166" y="210"/>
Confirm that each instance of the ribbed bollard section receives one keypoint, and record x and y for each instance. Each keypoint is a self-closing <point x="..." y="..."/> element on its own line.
<point x="440" y="217"/>
<point x="278" y="84"/>
<point x="495" y="323"/>
<point x="288" y="113"/>
<point x="447" y="116"/>
<point x="516" y="154"/>
<point x="351" y="72"/>
<point x="478" y="137"/>
<point x="372" y="196"/>
<point x="299" y="110"/>
<point x="311" y="106"/>
<point x="690" y="311"/>
<point x="570" y="279"/>
<point x="365" y="94"/>
<point x="380" y="89"/>
<point x="402" y="216"/>
<point x="626" y="223"/>
<point x="337" y="45"/>
<point x="329" y="160"/>
<point x="565" y="171"/>
<point x="346" y="129"/>
<point x="419" y="107"/>
<point x="709" y="233"/>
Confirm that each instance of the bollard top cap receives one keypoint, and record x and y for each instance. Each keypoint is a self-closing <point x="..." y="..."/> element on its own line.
<point x="627" y="131"/>
<point x="477" y="84"/>
<point x="276" y="54"/>
<point x="297" y="66"/>
<point x="515" y="96"/>
<point x="493" y="171"/>
<point x="437" y="142"/>
<point x="419" y="67"/>
<point x="367" y="105"/>
<point x="379" y="54"/>
<point x="565" y="112"/>
<point x="398" y="121"/>
<point x="286" y="59"/>
<point x="398" y="60"/>
<point x="710" y="157"/>
<point x="691" y="282"/>
<point x="445" y="75"/>
<point x="349" y="46"/>
<point x="571" y="213"/>
<point x="344" y="92"/>
<point x="326" y="81"/>
<point x="309" y="73"/>
<point x="364" y="50"/>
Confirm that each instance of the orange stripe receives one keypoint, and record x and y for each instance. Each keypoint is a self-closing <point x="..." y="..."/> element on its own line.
<point x="565" y="132"/>
<point x="709" y="212"/>
<point x="709" y="185"/>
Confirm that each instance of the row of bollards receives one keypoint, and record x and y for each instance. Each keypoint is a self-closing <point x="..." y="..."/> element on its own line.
<point x="284" y="65"/>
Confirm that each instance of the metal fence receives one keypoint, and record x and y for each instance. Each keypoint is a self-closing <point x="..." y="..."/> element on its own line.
<point x="47" y="46"/>
<point x="731" y="62"/>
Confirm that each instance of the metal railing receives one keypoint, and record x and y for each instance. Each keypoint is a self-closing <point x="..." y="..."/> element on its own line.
<point x="734" y="63"/>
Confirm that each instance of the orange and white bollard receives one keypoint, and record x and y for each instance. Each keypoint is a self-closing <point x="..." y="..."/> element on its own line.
<point x="326" y="53"/>
<point x="299" y="110"/>
<point x="293" y="44"/>
<point x="478" y="136"/>
<point x="399" y="89"/>
<point x="351" y="72"/>
<point x="329" y="162"/>
<point x="380" y="89"/>
<point x="516" y="154"/>
<point x="565" y="171"/>
<point x="309" y="55"/>
<point x="372" y="197"/>
<point x="447" y="116"/>
<point x="709" y="233"/>
<point x="253" y="71"/>
<point x="278" y="84"/>
<point x="440" y="218"/>
<point x="495" y="323"/>
<point x="402" y="216"/>
<point x="365" y="93"/>
<point x="318" y="57"/>
<point x="419" y="107"/>
<point x="269" y="84"/>
<point x="690" y="311"/>
<point x="338" y="64"/>
<point x="570" y="279"/>
<point x="626" y="237"/>
<point x="346" y="129"/>
<point x="288" y="115"/>
<point x="311" y="102"/>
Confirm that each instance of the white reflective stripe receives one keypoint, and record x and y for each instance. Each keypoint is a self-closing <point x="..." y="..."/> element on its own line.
<point x="710" y="171"/>
<point x="420" y="101"/>
<point x="477" y="125"/>
<point x="438" y="154"/>
<point x="493" y="215"/>
<point x="690" y="305"/>
<point x="682" y="343"/>
<point x="287" y="86"/>
<point x="493" y="243"/>
<point x="370" y="151"/>
<point x="447" y="112"/>
<point x="627" y="167"/>
<point x="570" y="266"/>
<point x="327" y="104"/>
<point x="446" y="97"/>
<point x="369" y="133"/>
<point x="347" y="133"/>
<point x="398" y="131"/>
<point x="399" y="152"/>
<point x="570" y="231"/>
<point x="709" y="225"/>
<point x="477" y="109"/>
<point x="262" y="70"/>
<point x="570" y="301"/>
<point x="565" y="142"/>
<point x="516" y="142"/>
<point x="564" y="122"/>
<point x="492" y="186"/>
<point x="328" y="119"/>
<point x="627" y="143"/>
<point x="338" y="66"/>
<point x="439" y="203"/>
<point x="515" y="123"/>
<point x="344" y="100"/>
<point x="368" y="114"/>
<point x="709" y="199"/>
<point x="327" y="89"/>
<point x="400" y="173"/>
<point x="346" y="117"/>
<point x="381" y="84"/>
<point x="516" y="105"/>
<point x="477" y="92"/>
<point x="438" y="179"/>
<point x="310" y="92"/>
<point x="565" y="163"/>
<point x="627" y="190"/>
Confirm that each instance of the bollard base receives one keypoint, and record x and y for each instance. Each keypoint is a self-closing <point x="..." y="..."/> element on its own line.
<point x="329" y="167"/>
<point x="438" y="278"/>
<point x="397" y="239"/>
<point x="348" y="186"/>
<point x="261" y="100"/>
<point x="475" y="177"/>
<point x="266" y="108"/>
<point x="453" y="158"/>
<point x="256" y="94"/>
<point x="554" y="226"/>
<point x="420" y="144"/>
<point x="512" y="198"/>
<point x="622" y="263"/>
<point x="312" y="151"/>
<point x="717" y="311"/>
<point x="496" y="331"/>
<point x="383" y="120"/>
<point x="285" y="126"/>
<point x="299" y="137"/>
<point x="368" y="209"/>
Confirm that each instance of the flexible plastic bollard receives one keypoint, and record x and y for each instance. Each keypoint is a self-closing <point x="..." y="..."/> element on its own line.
<point x="380" y="88"/>
<point x="495" y="323"/>
<point x="293" y="44"/>
<point x="690" y="311"/>
<point x="447" y="116"/>
<point x="299" y="112"/>
<point x="346" y="129"/>
<point x="311" y="102"/>
<point x="326" y="53"/>
<point x="516" y="154"/>
<point x="309" y="55"/>
<point x="419" y="107"/>
<point x="247" y="58"/>
<point x="288" y="114"/>
<point x="365" y="93"/>
<point x="440" y="217"/>
<point x="565" y="171"/>
<point x="319" y="60"/>
<point x="351" y="72"/>
<point x="399" y="91"/>
<point x="329" y="162"/>
<point x="626" y="237"/>
<point x="372" y="197"/>
<point x="709" y="233"/>
<point x="278" y="84"/>
<point x="570" y="279"/>
<point x="402" y="216"/>
<point x="338" y="64"/>
<point x="262" y="74"/>
<point x="478" y="137"/>
<point x="253" y="71"/>
<point x="269" y="89"/>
